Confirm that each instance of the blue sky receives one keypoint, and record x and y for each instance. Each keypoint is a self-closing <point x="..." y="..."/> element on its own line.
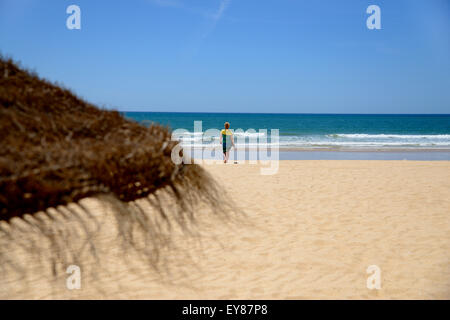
<point x="239" y="55"/>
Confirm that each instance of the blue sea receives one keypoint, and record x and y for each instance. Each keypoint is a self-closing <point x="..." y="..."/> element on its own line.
<point x="319" y="132"/>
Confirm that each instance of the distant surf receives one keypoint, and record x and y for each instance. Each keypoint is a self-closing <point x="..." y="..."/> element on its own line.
<point x="312" y="131"/>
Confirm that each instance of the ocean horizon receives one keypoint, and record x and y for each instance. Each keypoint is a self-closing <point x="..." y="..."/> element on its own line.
<point x="306" y="131"/>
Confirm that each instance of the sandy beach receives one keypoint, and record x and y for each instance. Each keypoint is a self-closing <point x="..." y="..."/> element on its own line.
<point x="308" y="232"/>
<point x="117" y="122"/>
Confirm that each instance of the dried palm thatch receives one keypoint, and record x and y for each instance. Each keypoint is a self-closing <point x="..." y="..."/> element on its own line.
<point x="57" y="149"/>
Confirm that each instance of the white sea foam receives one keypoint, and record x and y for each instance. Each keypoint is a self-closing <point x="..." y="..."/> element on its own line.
<point x="249" y="134"/>
<point x="352" y="140"/>
<point x="389" y="136"/>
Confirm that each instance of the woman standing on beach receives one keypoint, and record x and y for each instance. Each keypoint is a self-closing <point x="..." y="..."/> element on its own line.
<point x="227" y="141"/>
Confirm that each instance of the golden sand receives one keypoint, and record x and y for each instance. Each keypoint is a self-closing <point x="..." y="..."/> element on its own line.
<point x="309" y="232"/>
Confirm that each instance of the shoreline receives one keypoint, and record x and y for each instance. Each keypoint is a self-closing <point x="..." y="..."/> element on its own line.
<point x="331" y="149"/>
<point x="323" y="154"/>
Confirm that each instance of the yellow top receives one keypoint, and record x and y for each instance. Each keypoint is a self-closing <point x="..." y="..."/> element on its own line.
<point x="226" y="132"/>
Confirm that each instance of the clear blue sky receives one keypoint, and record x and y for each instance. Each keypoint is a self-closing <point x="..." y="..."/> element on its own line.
<point x="239" y="55"/>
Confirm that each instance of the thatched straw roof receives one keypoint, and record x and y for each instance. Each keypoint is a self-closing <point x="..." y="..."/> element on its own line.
<point x="57" y="148"/>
